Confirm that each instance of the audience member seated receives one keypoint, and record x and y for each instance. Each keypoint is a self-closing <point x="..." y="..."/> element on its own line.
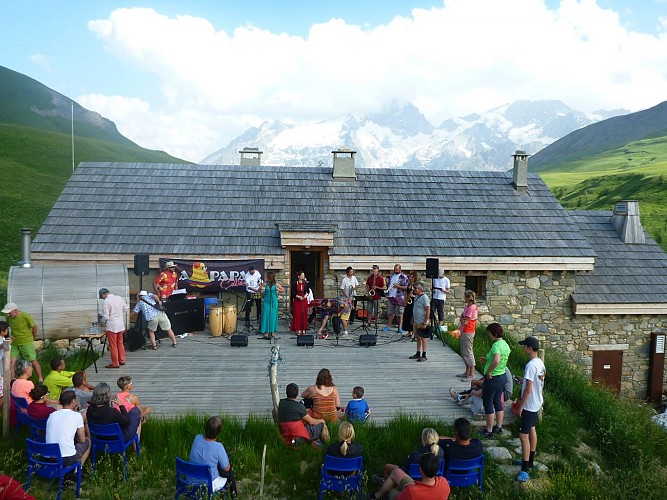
<point x="129" y="400"/>
<point x="66" y="428"/>
<point x="473" y="396"/>
<point x="461" y="447"/>
<point x="398" y="485"/>
<point x="357" y="410"/>
<point x="82" y="389"/>
<point x="58" y="379"/>
<point x="22" y="385"/>
<point x="430" y="440"/>
<point x="39" y="408"/>
<point x="346" y="447"/>
<point x="297" y="426"/>
<point x="103" y="409"/>
<point x="326" y="401"/>
<point x="206" y="450"/>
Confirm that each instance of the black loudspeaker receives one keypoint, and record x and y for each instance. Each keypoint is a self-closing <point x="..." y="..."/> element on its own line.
<point x="307" y="340"/>
<point x="239" y="340"/>
<point x="367" y="340"/>
<point x="141" y="264"/>
<point x="432" y="268"/>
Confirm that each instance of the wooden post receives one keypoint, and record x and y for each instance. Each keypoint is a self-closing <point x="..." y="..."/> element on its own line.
<point x="6" y="400"/>
<point x="261" y="480"/>
<point x="273" y="380"/>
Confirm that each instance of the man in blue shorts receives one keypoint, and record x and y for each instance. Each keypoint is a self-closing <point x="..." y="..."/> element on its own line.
<point x="529" y="405"/>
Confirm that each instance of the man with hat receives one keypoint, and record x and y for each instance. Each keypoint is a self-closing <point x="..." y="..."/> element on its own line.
<point x="529" y="405"/>
<point x="24" y="332"/>
<point x="114" y="311"/>
<point x="167" y="281"/>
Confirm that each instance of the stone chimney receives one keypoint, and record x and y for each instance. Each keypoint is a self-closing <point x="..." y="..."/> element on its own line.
<point x="625" y="220"/>
<point x="520" y="173"/>
<point x="26" y="240"/>
<point x="343" y="164"/>
<point x="251" y="157"/>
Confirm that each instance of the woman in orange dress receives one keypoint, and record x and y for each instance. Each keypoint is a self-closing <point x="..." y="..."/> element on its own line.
<point x="300" y="291"/>
<point x="326" y="400"/>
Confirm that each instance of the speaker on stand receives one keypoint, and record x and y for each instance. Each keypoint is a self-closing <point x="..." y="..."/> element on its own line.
<point x="141" y="267"/>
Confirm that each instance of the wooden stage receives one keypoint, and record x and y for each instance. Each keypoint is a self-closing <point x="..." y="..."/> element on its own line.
<point x="204" y="374"/>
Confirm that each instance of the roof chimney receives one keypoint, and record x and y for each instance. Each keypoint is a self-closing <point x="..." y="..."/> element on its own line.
<point x="625" y="220"/>
<point x="26" y="236"/>
<point x="520" y="173"/>
<point x="343" y="164"/>
<point x="251" y="157"/>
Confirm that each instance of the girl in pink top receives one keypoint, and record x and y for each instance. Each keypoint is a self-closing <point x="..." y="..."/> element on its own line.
<point x="129" y="400"/>
<point x="467" y="328"/>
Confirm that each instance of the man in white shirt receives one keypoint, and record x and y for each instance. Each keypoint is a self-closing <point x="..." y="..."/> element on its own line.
<point x="348" y="290"/>
<point x="440" y="291"/>
<point x="113" y="314"/>
<point x="253" y="280"/>
<point x="529" y="405"/>
<point x="65" y="427"/>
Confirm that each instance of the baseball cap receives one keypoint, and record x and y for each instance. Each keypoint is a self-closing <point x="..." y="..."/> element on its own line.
<point x="530" y="342"/>
<point x="142" y="293"/>
<point x="103" y="291"/>
<point x="9" y="307"/>
<point x="170" y="263"/>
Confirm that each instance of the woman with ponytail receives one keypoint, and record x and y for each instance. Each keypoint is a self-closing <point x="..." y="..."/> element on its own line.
<point x="430" y="440"/>
<point x="346" y="447"/>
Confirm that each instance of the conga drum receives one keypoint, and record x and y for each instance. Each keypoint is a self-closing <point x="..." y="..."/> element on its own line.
<point x="215" y="321"/>
<point x="229" y="319"/>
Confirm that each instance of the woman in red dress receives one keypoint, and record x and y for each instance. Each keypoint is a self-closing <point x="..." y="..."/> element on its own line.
<point x="300" y="291"/>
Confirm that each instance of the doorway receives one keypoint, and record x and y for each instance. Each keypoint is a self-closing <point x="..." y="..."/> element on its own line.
<point x="310" y="262"/>
<point x="607" y="369"/>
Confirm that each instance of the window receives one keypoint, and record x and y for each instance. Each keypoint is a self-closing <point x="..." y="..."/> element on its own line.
<point x="478" y="285"/>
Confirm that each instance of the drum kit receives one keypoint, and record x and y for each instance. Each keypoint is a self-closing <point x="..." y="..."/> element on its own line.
<point x="223" y="320"/>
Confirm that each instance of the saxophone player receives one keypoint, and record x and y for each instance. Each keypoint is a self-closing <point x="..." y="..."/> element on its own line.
<point x="348" y="290"/>
<point x="375" y="289"/>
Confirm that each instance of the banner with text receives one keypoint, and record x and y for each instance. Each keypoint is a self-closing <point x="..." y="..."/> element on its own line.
<point x="213" y="275"/>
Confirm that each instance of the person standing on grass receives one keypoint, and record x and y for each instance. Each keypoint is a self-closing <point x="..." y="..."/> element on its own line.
<point x="113" y="315"/>
<point x="529" y="405"/>
<point x="421" y="321"/>
<point x="467" y="329"/>
<point x="494" y="380"/>
<point x="207" y="451"/>
<point x="24" y="332"/>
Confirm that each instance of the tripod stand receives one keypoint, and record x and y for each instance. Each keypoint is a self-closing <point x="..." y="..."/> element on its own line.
<point x="247" y="306"/>
<point x="363" y="314"/>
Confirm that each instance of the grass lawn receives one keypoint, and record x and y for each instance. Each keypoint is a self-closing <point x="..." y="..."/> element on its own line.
<point x="595" y="445"/>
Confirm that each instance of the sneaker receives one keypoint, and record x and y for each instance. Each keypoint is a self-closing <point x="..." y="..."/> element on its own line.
<point x="497" y="430"/>
<point x="523" y="477"/>
<point x="344" y="334"/>
<point x="487" y="434"/>
<point x="454" y="394"/>
<point x="423" y="358"/>
<point x="325" y="336"/>
<point x="415" y="356"/>
<point x="401" y="332"/>
<point x="386" y="329"/>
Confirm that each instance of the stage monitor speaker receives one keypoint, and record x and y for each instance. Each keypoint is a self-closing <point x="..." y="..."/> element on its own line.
<point x="432" y="268"/>
<point x="367" y="340"/>
<point x="307" y="340"/>
<point x="141" y="264"/>
<point x="239" y="340"/>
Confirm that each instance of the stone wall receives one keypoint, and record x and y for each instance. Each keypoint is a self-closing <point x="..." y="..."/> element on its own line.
<point x="539" y="304"/>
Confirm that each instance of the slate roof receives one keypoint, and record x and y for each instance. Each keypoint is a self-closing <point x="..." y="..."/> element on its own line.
<point x="213" y="210"/>
<point x="624" y="273"/>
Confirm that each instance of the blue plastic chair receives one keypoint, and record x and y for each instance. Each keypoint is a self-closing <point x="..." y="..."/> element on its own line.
<point x="415" y="473"/>
<point x="46" y="461"/>
<point x="465" y="472"/>
<point x="37" y="429"/>
<point x="109" y="438"/>
<point x="195" y="481"/>
<point x="208" y="303"/>
<point x="21" y="410"/>
<point x="338" y="480"/>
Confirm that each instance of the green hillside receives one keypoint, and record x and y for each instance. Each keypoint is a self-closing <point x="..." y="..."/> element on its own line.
<point x="634" y="171"/>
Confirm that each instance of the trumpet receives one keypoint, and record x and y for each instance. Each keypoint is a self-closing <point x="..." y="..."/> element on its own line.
<point x="409" y="301"/>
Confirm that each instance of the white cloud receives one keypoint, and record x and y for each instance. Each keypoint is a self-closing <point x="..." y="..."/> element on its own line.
<point x="469" y="55"/>
<point x="41" y="60"/>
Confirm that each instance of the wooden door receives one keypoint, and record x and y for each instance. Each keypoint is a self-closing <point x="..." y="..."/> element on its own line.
<point x="607" y="369"/>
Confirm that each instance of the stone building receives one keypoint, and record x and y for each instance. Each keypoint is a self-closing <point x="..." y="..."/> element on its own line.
<point x="591" y="284"/>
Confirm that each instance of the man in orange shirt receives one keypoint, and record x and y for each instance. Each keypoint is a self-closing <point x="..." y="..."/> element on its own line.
<point x="430" y="487"/>
<point x="167" y="281"/>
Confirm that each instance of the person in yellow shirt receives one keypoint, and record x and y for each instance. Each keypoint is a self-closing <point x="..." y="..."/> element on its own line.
<point x="58" y="379"/>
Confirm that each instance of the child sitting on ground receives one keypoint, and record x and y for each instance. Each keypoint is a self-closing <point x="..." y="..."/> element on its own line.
<point x="357" y="410"/>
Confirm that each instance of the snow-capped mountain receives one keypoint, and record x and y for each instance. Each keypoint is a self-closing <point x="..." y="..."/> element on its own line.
<point x="401" y="136"/>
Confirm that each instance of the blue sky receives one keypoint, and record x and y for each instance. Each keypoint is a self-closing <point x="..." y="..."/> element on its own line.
<point x="187" y="77"/>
